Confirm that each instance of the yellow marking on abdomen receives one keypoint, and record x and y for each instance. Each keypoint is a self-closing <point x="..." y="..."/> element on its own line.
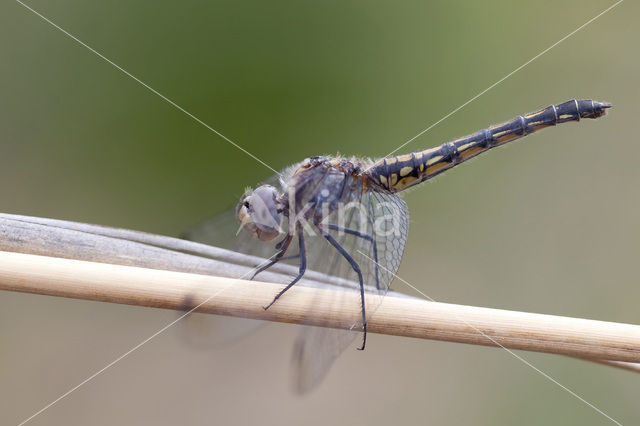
<point x="535" y="114"/>
<point x="508" y="136"/>
<point x="405" y="157"/>
<point x="433" y="160"/>
<point x="437" y="167"/>
<point x="471" y="152"/>
<point x="403" y="183"/>
<point x="464" y="147"/>
<point x="405" y="171"/>
<point x="539" y="127"/>
<point x="427" y="152"/>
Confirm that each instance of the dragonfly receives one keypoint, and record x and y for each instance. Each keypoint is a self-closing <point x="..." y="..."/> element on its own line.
<point x="345" y="218"/>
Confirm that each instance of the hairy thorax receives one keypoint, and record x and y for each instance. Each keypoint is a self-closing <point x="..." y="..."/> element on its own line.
<point x="319" y="186"/>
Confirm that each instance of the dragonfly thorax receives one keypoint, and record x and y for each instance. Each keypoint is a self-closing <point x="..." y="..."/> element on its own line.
<point x="311" y="191"/>
<point x="318" y="187"/>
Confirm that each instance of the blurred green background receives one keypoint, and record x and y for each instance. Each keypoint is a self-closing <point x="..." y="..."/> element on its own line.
<point x="545" y="225"/>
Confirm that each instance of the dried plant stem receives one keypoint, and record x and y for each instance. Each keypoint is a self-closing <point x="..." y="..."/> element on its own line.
<point x="612" y="343"/>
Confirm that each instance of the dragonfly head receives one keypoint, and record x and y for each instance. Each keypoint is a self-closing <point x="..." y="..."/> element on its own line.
<point x="258" y="212"/>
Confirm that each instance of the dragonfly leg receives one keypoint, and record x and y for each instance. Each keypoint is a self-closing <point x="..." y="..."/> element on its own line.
<point x="366" y="237"/>
<point x="293" y="256"/>
<point x="282" y="246"/>
<point x="301" y="270"/>
<point x="356" y="268"/>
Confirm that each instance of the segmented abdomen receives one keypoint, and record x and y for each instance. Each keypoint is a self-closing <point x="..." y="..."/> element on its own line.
<point x="402" y="171"/>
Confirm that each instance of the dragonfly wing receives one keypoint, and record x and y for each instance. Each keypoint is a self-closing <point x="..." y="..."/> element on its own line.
<point x="382" y="222"/>
<point x="204" y="331"/>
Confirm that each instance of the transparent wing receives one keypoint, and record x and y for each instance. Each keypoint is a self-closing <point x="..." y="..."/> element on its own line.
<point x="205" y="331"/>
<point x="213" y="332"/>
<point x="219" y="231"/>
<point x="224" y="231"/>
<point x="373" y="231"/>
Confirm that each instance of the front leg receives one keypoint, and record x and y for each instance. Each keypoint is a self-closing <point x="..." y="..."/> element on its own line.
<point x="283" y="246"/>
<point x="303" y="267"/>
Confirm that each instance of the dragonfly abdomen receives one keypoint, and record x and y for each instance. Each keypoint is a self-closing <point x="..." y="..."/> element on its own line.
<point x="402" y="171"/>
